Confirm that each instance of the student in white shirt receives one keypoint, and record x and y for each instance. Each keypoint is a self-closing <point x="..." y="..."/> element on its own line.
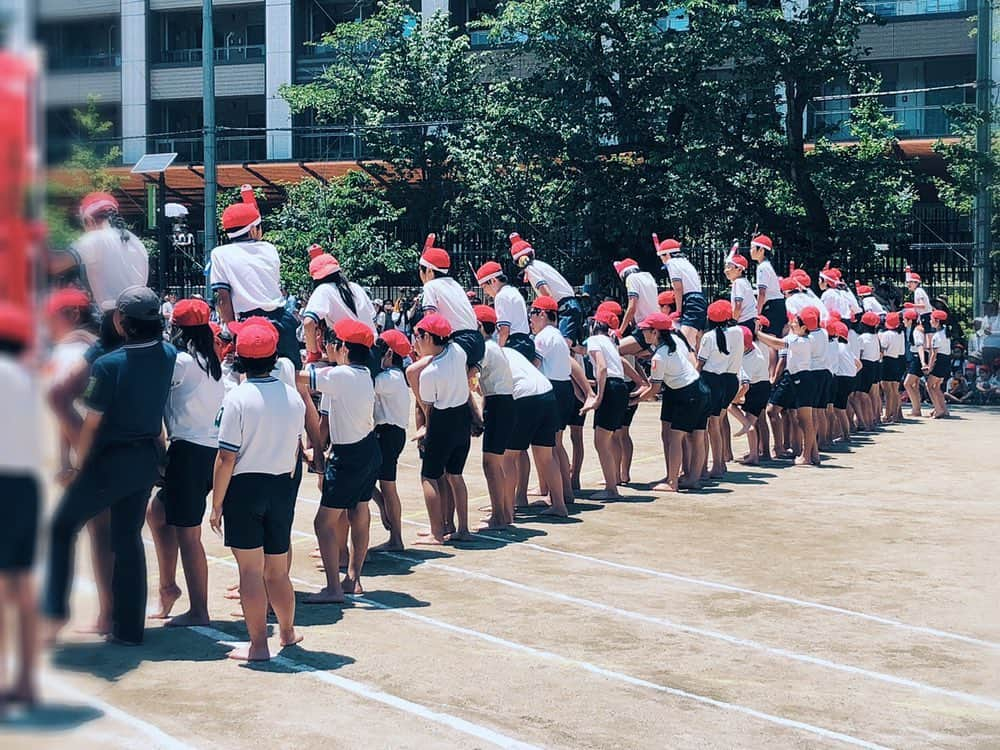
<point x="548" y="282"/>
<point x="914" y="339"/>
<point x="684" y="407"/>
<point x="260" y="426"/>
<point x="512" y="311"/>
<point x="392" y="415"/>
<point x="770" y="300"/>
<point x="720" y="355"/>
<point x="688" y="296"/>
<point x="176" y="512"/>
<point x="443" y="389"/>
<point x="642" y="293"/>
<point x="755" y="389"/>
<point x="893" y="345"/>
<point x="921" y="299"/>
<point x="939" y="364"/>
<point x="353" y="460"/>
<point x="333" y="299"/>
<point x="741" y="295"/>
<point x="869" y="377"/>
<point x="496" y="383"/>
<point x="869" y="302"/>
<point x="845" y="369"/>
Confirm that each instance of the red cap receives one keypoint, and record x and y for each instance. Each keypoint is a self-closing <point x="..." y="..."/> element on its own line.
<point x="322" y="266"/>
<point x="801" y="277"/>
<point x="830" y="275"/>
<point x="870" y="318"/>
<point x="862" y="289"/>
<point x="892" y="321"/>
<point x="910" y="276"/>
<point x="471" y="295"/>
<point x="609" y="305"/>
<point x="397" y="342"/>
<point x="435" y="324"/>
<point x="720" y="311"/>
<point x="314" y="250"/>
<point x="834" y="315"/>
<point x="667" y="247"/>
<point x="95" y="203"/>
<point x="485" y="313"/>
<point x="764" y="320"/>
<point x="66" y="298"/>
<point x="910" y="314"/>
<point x="247" y="195"/>
<point x="940" y="315"/>
<point x="810" y="318"/>
<point x="15" y="323"/>
<point x="909" y="305"/>
<point x="519" y="247"/>
<point x="240" y="218"/>
<point x="657" y="321"/>
<point x="353" y="331"/>
<point x="545" y="303"/>
<point x="788" y="284"/>
<point x="840" y="330"/>
<point x="666" y="298"/>
<point x="606" y="317"/>
<point x="737" y="260"/>
<point x="762" y="240"/>
<point x="191" y="312"/>
<point x="747" y="338"/>
<point x="256" y="337"/>
<point x="621" y="266"/>
<point x="434" y="258"/>
<point x="488" y="271"/>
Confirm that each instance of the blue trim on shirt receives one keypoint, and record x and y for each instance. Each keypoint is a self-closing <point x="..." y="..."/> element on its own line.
<point x="221" y="285"/>
<point x="229" y="447"/>
<point x="312" y="315"/>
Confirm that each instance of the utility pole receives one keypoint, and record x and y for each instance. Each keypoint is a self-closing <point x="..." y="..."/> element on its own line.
<point x="208" y="137"/>
<point x="981" y="275"/>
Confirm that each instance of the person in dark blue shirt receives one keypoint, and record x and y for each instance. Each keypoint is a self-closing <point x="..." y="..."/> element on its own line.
<point x="117" y="463"/>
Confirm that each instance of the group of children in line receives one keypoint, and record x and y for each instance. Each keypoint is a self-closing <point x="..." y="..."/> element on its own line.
<point x="243" y="411"/>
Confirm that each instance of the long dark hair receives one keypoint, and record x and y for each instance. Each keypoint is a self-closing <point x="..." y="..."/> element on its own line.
<point x="343" y="286"/>
<point x="199" y="342"/>
<point x="667" y="339"/>
<point x="720" y="335"/>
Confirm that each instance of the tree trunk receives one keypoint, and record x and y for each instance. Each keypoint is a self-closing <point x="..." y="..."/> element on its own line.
<point x="817" y="218"/>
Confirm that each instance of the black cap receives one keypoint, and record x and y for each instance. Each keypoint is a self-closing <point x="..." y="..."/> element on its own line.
<point x="139" y="303"/>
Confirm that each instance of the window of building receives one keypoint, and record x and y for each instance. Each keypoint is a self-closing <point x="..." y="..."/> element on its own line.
<point x="81" y="45"/>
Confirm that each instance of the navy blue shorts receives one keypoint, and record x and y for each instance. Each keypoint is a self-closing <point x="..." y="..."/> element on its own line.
<point x="756" y="397"/>
<point x="534" y="422"/>
<point x="610" y="415"/>
<point x="20" y="501"/>
<point x="913" y="366"/>
<point x="187" y="482"/>
<point x="942" y="366"/>
<point x="686" y="409"/>
<point x="723" y="387"/>
<point x="446" y="446"/>
<point x="391" y="441"/>
<point x="523" y="344"/>
<point x="258" y="511"/>
<point x="893" y="369"/>
<point x="498" y="423"/>
<point x="843" y="388"/>
<point x="351" y="472"/>
<point x="694" y="312"/>
<point x="867" y="376"/>
<point x="783" y="392"/>
<point x="472" y="343"/>
<point x="576" y="419"/>
<point x="824" y="388"/>
<point x="565" y="403"/>
<point x="777" y="316"/>
<point x="571" y="319"/>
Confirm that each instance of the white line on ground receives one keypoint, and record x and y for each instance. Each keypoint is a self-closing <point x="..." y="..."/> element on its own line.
<point x="607" y="673"/>
<point x="714" y="634"/>
<point x="371" y="693"/>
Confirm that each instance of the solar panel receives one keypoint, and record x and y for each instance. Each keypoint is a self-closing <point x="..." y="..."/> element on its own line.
<point x="153" y="163"/>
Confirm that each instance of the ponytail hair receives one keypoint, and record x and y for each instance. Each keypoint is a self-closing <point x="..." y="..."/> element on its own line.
<point x="720" y="335"/>
<point x="343" y="286"/>
<point x="667" y="339"/>
<point x="199" y="342"/>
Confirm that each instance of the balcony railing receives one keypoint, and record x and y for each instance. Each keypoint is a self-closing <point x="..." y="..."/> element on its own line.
<point x="893" y="8"/>
<point x="59" y="149"/>
<point x="227" y="149"/>
<point x="926" y="121"/>
<point x="94" y="61"/>
<point x="329" y="147"/>
<point x="248" y="53"/>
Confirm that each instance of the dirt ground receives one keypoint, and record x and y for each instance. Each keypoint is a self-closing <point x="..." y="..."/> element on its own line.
<point x="855" y="604"/>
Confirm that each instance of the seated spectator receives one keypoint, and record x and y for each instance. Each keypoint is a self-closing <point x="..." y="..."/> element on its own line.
<point x="958" y="390"/>
<point x="983" y="380"/>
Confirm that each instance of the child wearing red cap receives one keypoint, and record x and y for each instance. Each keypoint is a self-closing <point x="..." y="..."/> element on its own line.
<point x="20" y="458"/>
<point x="688" y="296"/>
<point x="720" y="354"/>
<point x="443" y="390"/>
<point x="741" y="295"/>
<point x="770" y="300"/>
<point x="914" y="340"/>
<point x="333" y="299"/>
<point x="755" y="389"/>
<point x="893" y="345"/>
<point x="176" y="512"/>
<point x="548" y="282"/>
<point x="921" y="300"/>
<point x="260" y="426"/>
<point x="845" y="369"/>
<point x="354" y="459"/>
<point x="684" y="409"/>
<point x="939" y="362"/>
<point x="642" y="293"/>
<point x="796" y="393"/>
<point x="870" y="376"/>
<point x="512" y="326"/>
<point x="392" y="415"/>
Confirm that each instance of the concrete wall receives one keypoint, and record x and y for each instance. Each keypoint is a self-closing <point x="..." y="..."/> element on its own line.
<point x="185" y="83"/>
<point x="921" y="37"/>
<point x="49" y="10"/>
<point x="135" y="84"/>
<point x="278" y="73"/>
<point x="195" y="4"/>
<point x="71" y="89"/>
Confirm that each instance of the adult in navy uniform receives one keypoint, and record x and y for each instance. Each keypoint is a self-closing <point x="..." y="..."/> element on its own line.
<point x="245" y="276"/>
<point x="117" y="462"/>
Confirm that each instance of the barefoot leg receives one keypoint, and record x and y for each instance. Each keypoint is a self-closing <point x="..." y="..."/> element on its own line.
<point x="282" y="596"/>
<point x="253" y="596"/>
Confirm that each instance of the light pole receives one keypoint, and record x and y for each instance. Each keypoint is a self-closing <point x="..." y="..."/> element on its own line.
<point x="983" y="210"/>
<point x="208" y="136"/>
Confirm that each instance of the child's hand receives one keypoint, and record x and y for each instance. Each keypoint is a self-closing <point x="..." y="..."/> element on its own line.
<point x="215" y="520"/>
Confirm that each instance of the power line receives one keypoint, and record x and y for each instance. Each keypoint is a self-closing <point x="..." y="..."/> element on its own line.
<point x="869" y="94"/>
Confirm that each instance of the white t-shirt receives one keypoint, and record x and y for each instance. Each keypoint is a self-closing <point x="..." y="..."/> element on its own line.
<point x="109" y="266"/>
<point x="941" y="343"/>
<point x="797" y="353"/>
<point x="327" y="305"/>
<point x="742" y="293"/>
<point x="642" y="288"/>
<point x="495" y="378"/>
<point x="66" y="355"/>
<point x="284" y="371"/>
<point x="553" y="353"/>
<point x="854" y="342"/>
<point x="392" y="398"/>
<point x="870" y="304"/>
<point x="755" y="367"/>
<point x="716" y="361"/>
<point x="675" y="370"/>
<point x="893" y="343"/>
<point x="796" y="303"/>
<point x="917" y="342"/>
<point x="251" y="271"/>
<point x="21" y="405"/>
<point x="818" y="341"/>
<point x="870" y="348"/>
<point x="922" y="301"/>
<point x="680" y="269"/>
<point x="444" y="295"/>
<point x="351" y="400"/>
<point x="832" y="353"/>
<point x="511" y="309"/>
<point x="167" y="310"/>
<point x="444" y="383"/>
<point x="613" y="360"/>
<point x="539" y="273"/>
<point x="193" y="403"/>
<point x="528" y="379"/>
<point x="846" y="361"/>
<point x="261" y="420"/>
<point x="834" y="301"/>
<point x="768" y="280"/>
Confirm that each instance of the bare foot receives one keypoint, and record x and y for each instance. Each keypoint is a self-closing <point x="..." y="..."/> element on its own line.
<point x="606" y="495"/>
<point x="458" y="536"/>
<point x="352" y="586"/>
<point x="555" y="512"/>
<point x="742" y="431"/>
<point x="101" y="626"/>
<point x="748" y="461"/>
<point x="233" y="594"/>
<point x="316" y="554"/>
<point x="186" y="619"/>
<point x="429" y="541"/>
<point x="663" y="487"/>
<point x="51" y="630"/>
<point x="389" y="546"/>
<point x="537" y="492"/>
<point x="290" y="638"/>
<point x="168" y="597"/>
<point x="493" y="524"/>
<point x="485" y="509"/>
<point x="115" y="640"/>
<point x="688" y="484"/>
<point x="247" y="652"/>
<point x="803" y="461"/>
<point x="325" y="596"/>
<point x="718" y="472"/>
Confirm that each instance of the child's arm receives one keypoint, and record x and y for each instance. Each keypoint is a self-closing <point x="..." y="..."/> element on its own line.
<point x="225" y="463"/>
<point x="601" y="377"/>
<point x="629" y="315"/>
<point x="87" y="434"/>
